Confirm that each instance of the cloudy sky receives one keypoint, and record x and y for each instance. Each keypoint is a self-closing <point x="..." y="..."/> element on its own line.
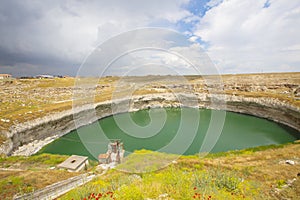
<point x="239" y="36"/>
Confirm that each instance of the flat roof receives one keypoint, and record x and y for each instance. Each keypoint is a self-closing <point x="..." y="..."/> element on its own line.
<point x="73" y="162"/>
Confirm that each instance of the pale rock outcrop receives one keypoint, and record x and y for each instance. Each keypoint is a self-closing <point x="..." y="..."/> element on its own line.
<point x="29" y="137"/>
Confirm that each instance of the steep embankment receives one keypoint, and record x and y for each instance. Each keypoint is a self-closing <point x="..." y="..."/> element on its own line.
<point x="34" y="112"/>
<point x="35" y="134"/>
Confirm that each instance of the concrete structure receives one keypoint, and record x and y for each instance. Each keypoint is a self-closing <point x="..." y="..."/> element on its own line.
<point x="115" y="153"/>
<point x="44" y="76"/>
<point x="74" y="163"/>
<point x="5" y="76"/>
<point x="57" y="189"/>
<point x="104" y="158"/>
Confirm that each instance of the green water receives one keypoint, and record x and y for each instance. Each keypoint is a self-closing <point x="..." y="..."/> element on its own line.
<point x="181" y="132"/>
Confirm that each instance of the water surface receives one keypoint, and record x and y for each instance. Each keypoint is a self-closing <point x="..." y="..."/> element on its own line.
<point x="239" y="132"/>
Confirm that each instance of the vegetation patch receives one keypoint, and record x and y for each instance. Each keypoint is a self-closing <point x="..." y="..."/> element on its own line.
<point x="20" y="174"/>
<point x="142" y="161"/>
<point x="256" y="173"/>
<point x="173" y="182"/>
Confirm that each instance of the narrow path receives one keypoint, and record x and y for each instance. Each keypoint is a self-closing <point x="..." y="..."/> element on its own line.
<point x="57" y="189"/>
<point x="11" y="169"/>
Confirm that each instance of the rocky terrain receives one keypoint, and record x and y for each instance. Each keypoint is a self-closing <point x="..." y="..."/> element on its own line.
<point x="34" y="112"/>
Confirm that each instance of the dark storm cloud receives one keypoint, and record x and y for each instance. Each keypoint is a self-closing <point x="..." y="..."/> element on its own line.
<point x="20" y="64"/>
<point x="18" y="13"/>
<point x="19" y="22"/>
<point x="15" y="62"/>
<point x="55" y="36"/>
<point x="58" y="35"/>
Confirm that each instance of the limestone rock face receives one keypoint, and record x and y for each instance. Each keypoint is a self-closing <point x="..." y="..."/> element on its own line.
<point x="271" y="96"/>
<point x="297" y="94"/>
<point x="28" y="138"/>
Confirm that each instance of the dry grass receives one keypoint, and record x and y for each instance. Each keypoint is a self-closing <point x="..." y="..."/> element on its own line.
<point x="246" y="174"/>
<point x="19" y="182"/>
<point x="24" y="174"/>
<point x="25" y="100"/>
<point x="265" y="165"/>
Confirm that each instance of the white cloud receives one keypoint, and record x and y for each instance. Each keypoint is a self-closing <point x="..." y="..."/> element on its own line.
<point x="244" y="36"/>
<point x="193" y="38"/>
<point x="213" y="3"/>
<point x="173" y="57"/>
<point x="151" y="62"/>
<point x="69" y="30"/>
<point x="198" y="60"/>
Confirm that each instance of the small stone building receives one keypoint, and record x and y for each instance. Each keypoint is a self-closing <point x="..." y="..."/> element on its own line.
<point x="115" y="153"/>
<point x="104" y="158"/>
<point x="5" y="76"/>
<point x="74" y="163"/>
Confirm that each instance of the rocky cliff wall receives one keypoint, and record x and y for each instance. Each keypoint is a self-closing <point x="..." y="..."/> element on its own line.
<point x="28" y="138"/>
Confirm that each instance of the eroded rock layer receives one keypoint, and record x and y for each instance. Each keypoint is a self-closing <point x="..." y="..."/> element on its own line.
<point x="274" y="98"/>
